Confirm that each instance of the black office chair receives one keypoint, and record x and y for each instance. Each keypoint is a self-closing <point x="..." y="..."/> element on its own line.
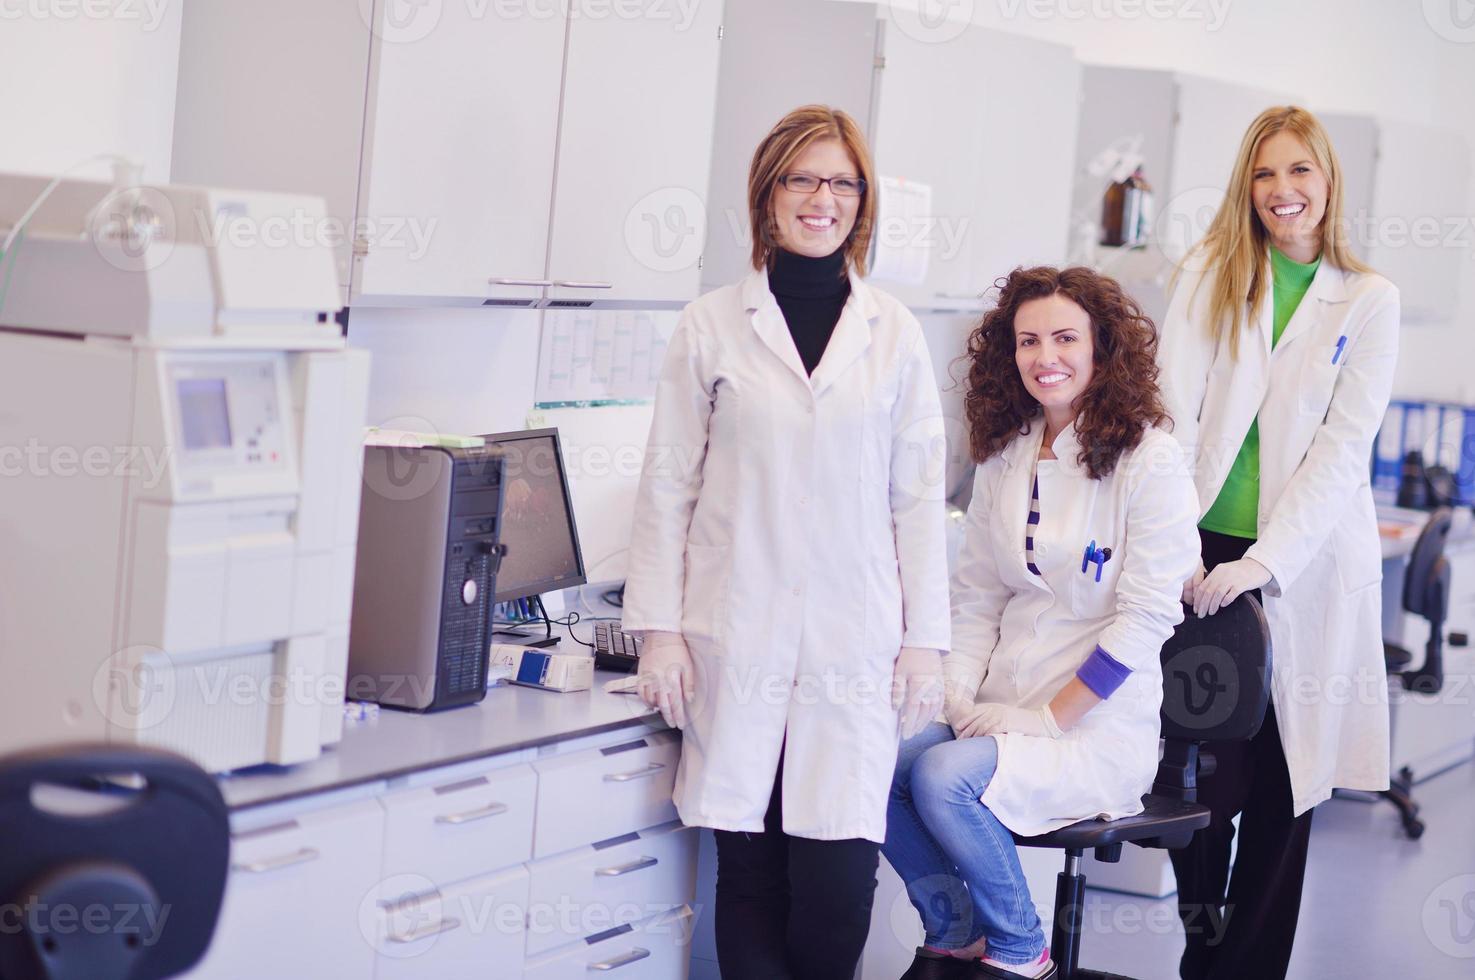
<point x="1426" y="594"/>
<point x="131" y="892"/>
<point x="1216" y="685"/>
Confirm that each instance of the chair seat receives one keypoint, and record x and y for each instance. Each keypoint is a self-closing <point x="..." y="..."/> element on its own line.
<point x="1161" y="816"/>
<point x="1395" y="658"/>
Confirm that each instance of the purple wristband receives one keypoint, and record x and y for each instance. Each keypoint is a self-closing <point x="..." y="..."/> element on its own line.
<point x="1103" y="673"/>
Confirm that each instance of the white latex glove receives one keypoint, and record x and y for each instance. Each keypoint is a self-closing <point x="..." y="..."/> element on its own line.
<point x="916" y="688"/>
<point x="991" y="718"/>
<point x="667" y="678"/>
<point x="1191" y="586"/>
<point x="1226" y="583"/>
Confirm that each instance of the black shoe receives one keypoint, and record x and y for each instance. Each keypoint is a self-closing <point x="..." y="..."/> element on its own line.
<point x="927" y="965"/>
<point x="982" y="971"/>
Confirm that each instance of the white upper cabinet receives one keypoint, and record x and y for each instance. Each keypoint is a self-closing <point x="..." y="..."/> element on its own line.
<point x="470" y="153"/>
<point x="634" y="153"/>
<point x="459" y="142"/>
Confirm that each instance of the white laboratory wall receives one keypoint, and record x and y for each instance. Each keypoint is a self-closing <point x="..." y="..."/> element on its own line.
<point x="79" y="85"/>
<point x="1409" y="60"/>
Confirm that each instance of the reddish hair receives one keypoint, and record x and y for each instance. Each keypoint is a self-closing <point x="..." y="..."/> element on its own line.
<point x="1119" y="403"/>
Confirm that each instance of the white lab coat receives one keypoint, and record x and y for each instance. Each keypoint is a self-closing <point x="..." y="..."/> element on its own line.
<point x="792" y="529"/>
<point x="1318" y="533"/>
<point x="1020" y="637"/>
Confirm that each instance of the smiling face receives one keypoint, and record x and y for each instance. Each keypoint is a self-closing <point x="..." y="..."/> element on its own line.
<point x="1053" y="350"/>
<point x="1289" y="193"/>
<point x="817" y="223"/>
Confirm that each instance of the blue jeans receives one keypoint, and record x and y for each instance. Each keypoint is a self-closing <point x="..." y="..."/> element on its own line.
<point x="959" y="863"/>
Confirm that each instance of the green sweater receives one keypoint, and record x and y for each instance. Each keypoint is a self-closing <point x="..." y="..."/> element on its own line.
<point x="1238" y="504"/>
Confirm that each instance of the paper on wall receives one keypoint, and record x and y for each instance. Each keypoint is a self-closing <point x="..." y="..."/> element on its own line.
<point x="904" y="222"/>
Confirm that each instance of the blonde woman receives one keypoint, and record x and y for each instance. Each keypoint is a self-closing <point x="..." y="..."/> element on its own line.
<point x="787" y="562"/>
<point x="1278" y="352"/>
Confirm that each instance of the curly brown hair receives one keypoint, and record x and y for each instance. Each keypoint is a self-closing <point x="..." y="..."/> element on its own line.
<point x="1119" y="403"/>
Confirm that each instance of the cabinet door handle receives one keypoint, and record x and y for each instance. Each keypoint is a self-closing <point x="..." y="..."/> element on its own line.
<point x="625" y="777"/>
<point x="576" y="284"/>
<point x="503" y="281"/>
<point x="444" y="925"/>
<point x="300" y="856"/>
<point x="634" y="956"/>
<point x="624" y="869"/>
<point x="480" y="813"/>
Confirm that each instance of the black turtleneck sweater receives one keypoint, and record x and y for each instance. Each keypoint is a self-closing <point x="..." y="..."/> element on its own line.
<point x="811" y="293"/>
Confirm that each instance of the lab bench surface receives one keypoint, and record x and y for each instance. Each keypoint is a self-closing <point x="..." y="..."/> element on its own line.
<point x="397" y="743"/>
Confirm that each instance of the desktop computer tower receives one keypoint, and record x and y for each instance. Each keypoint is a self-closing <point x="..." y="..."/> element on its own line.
<point x="429" y="549"/>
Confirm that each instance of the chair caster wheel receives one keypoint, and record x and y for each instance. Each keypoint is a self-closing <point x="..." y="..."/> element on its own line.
<point x="1414" y="829"/>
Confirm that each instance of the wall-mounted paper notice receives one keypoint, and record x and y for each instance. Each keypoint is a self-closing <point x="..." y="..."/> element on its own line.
<point x="904" y="221"/>
<point x="601" y="355"/>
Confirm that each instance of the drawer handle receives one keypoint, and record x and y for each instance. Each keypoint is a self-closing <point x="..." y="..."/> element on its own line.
<point x="624" y="869"/>
<point x="444" y="925"/>
<point x="480" y="813"/>
<point x="634" y="956"/>
<point x="301" y="856"/>
<point x="575" y="284"/>
<point x="500" y="281"/>
<point x="625" y="777"/>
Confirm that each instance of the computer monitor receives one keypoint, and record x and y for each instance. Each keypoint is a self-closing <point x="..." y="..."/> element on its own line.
<point x="537" y="517"/>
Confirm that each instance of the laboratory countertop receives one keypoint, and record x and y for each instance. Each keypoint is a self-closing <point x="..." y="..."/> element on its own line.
<point x="396" y="743"/>
<point x="1398" y="528"/>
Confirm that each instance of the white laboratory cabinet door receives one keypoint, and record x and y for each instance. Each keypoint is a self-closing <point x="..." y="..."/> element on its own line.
<point x="295" y="897"/>
<point x="634" y="153"/>
<point x="459" y="142"/>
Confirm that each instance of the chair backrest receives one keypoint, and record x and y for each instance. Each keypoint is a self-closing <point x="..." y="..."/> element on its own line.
<point x="1423" y="567"/>
<point x="143" y="864"/>
<point x="1216" y="674"/>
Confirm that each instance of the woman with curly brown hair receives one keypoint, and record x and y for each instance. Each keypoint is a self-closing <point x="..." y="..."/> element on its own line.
<point x="1079" y="536"/>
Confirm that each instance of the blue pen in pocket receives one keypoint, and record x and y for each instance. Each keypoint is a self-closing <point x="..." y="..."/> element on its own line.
<point x="1341" y="346"/>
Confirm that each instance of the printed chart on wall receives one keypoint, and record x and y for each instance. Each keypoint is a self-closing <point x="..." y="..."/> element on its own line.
<point x="601" y="357"/>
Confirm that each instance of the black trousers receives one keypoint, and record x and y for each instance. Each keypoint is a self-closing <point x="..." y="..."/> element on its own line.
<point x="791" y="908"/>
<point x="1242" y="926"/>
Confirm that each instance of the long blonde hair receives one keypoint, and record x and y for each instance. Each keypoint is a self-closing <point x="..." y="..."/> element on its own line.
<point x="1236" y="244"/>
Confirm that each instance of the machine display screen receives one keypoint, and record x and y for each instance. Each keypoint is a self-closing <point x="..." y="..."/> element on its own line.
<point x="204" y="413"/>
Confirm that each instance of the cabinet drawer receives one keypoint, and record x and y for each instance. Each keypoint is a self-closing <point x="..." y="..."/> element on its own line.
<point x="463" y="827"/>
<point x="593" y="889"/>
<point x="602" y="793"/>
<point x="469" y="931"/>
<point x="293" y="897"/>
<point x="656" y="949"/>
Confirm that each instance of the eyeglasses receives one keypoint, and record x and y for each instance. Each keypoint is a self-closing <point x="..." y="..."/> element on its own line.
<point x="809" y="183"/>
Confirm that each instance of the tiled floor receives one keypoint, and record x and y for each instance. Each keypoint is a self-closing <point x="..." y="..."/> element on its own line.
<point x="1375" y="905"/>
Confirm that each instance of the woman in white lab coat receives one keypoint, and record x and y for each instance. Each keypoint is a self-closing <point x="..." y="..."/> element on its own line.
<point x="1078" y="535"/>
<point x="1277" y="357"/>
<point x="787" y="560"/>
